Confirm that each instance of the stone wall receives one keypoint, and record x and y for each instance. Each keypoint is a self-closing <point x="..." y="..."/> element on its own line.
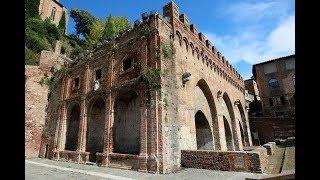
<point x="222" y="160"/>
<point x="35" y="110"/>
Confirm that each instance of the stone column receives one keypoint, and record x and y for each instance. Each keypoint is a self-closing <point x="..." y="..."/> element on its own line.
<point x="223" y="140"/>
<point x="107" y="135"/>
<point x="81" y="146"/>
<point x="143" y="132"/>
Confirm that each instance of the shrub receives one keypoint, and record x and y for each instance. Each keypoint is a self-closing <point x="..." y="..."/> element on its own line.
<point x="62" y="23"/>
<point x="36" y="25"/>
<point x="32" y="8"/>
<point x="30" y="57"/>
<point x="35" y="42"/>
<point x="52" y="31"/>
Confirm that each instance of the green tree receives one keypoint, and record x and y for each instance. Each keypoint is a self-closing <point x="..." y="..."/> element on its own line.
<point x="95" y="34"/>
<point x="62" y="23"/>
<point x="83" y="20"/>
<point x="114" y="26"/>
<point x="32" y="8"/>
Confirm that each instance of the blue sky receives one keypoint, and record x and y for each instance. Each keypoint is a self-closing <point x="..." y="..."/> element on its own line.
<point x="245" y="31"/>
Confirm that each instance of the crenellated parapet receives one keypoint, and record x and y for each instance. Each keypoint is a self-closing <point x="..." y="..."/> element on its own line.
<point x="200" y="45"/>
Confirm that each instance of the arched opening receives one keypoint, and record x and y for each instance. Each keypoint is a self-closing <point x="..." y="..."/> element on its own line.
<point x="72" y="125"/>
<point x="232" y="118"/>
<point x="95" y="128"/>
<point x="203" y="132"/>
<point x="126" y="135"/>
<point x="242" y="135"/>
<point x="202" y="84"/>
<point x="228" y="134"/>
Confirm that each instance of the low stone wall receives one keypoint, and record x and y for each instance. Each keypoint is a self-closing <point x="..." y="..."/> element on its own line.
<point x="241" y="161"/>
<point x="78" y="157"/>
<point x="124" y="161"/>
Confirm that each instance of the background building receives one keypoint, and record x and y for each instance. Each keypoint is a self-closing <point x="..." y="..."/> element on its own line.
<point x="54" y="10"/>
<point x="276" y="83"/>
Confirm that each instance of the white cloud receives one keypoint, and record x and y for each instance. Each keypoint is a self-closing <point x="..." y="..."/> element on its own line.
<point x="252" y="48"/>
<point x="256" y="11"/>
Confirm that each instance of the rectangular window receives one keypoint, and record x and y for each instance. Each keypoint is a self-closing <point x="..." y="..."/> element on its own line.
<point x="269" y="68"/>
<point x="76" y="83"/>
<point x="290" y="64"/>
<point x="283" y="101"/>
<point x="98" y="74"/>
<point x="53" y="13"/>
<point x="280" y="114"/>
<point x="271" y="101"/>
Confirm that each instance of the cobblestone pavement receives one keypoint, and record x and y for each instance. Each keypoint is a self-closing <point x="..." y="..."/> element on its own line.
<point x="37" y="169"/>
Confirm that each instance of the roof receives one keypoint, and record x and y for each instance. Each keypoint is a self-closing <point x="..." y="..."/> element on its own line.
<point x="272" y="60"/>
<point x="58" y="3"/>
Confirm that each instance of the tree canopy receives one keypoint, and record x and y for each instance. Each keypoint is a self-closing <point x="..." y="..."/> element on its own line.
<point x="84" y="21"/>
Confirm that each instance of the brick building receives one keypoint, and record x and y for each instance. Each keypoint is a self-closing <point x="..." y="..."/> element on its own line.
<point x="100" y="110"/>
<point x="276" y="84"/>
<point x="52" y="9"/>
<point x="253" y="101"/>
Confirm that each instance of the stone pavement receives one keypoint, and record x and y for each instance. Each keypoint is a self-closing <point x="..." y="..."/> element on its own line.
<point x="37" y="169"/>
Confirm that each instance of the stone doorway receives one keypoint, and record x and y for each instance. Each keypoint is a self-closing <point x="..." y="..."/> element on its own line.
<point x="72" y="125"/>
<point x="126" y="129"/>
<point x="203" y="132"/>
<point x="95" y="128"/>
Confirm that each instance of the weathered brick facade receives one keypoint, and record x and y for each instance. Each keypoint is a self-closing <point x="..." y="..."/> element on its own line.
<point x="52" y="9"/>
<point x="140" y="128"/>
<point x="275" y="80"/>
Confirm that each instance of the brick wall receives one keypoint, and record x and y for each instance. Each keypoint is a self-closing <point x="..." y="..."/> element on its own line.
<point x="222" y="160"/>
<point x="35" y="110"/>
<point x="269" y="128"/>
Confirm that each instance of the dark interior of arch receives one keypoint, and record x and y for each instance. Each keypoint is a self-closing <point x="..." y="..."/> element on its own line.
<point x="203" y="132"/>
<point x="228" y="134"/>
<point x="95" y="128"/>
<point x="72" y="128"/>
<point x="233" y="121"/>
<point x="207" y="93"/>
<point x="242" y="135"/>
<point x="126" y="129"/>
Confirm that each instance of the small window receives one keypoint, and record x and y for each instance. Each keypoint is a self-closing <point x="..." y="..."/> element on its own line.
<point x="294" y="79"/>
<point x="53" y="13"/>
<point x="273" y="84"/>
<point x="127" y="63"/>
<point x="76" y="83"/>
<point x="280" y="114"/>
<point x="271" y="101"/>
<point x="98" y="74"/>
<point x="283" y="101"/>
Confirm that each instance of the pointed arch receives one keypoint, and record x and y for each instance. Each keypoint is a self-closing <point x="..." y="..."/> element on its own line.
<point x="228" y="102"/>
<point x="202" y="84"/>
<point x="179" y="37"/>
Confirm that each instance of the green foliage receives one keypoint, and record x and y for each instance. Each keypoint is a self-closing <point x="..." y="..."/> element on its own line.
<point x="30" y="57"/>
<point x="32" y="8"/>
<point x="114" y="26"/>
<point x="35" y="42"/>
<point x="145" y="31"/>
<point x="52" y="31"/>
<point x="51" y="82"/>
<point x="151" y="77"/>
<point x="95" y="34"/>
<point x="40" y="35"/>
<point x="62" y="23"/>
<point x="168" y="50"/>
<point x="166" y="104"/>
<point x="83" y="20"/>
